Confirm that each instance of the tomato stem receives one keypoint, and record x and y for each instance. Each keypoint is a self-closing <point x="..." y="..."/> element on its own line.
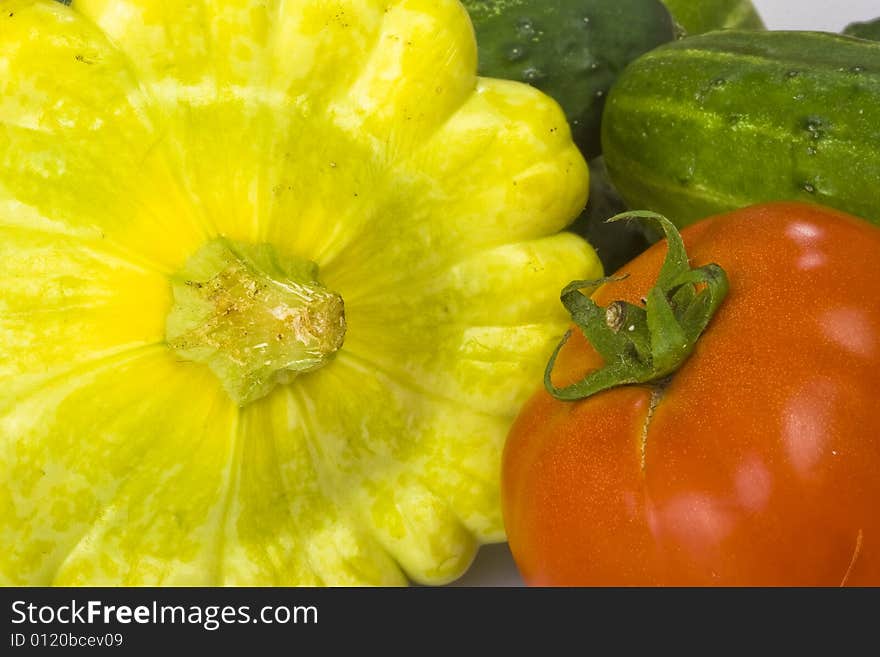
<point x="642" y="345"/>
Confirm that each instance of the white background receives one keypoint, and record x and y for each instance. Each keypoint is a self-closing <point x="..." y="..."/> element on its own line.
<point x="494" y="566"/>
<point x="831" y="15"/>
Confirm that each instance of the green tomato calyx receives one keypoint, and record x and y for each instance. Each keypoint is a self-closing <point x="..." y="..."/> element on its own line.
<point x="643" y="344"/>
<point x="254" y="317"/>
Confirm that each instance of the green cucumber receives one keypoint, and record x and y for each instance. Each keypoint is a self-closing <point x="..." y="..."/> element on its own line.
<point x="728" y="119"/>
<point x="698" y="16"/>
<point x="573" y="50"/>
<point x="867" y="30"/>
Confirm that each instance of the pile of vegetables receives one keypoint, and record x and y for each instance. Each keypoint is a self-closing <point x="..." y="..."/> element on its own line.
<point x="280" y="283"/>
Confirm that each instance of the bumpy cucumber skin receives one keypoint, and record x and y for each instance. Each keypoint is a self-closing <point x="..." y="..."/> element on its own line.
<point x="727" y="119"/>
<point x="698" y="16"/>
<point x="573" y="50"/>
<point x="868" y="30"/>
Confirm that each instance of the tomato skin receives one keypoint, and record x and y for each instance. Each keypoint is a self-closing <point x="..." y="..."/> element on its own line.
<point x="759" y="462"/>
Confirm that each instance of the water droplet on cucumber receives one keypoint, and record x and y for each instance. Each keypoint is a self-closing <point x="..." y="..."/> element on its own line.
<point x="516" y="53"/>
<point x="533" y="74"/>
<point x="525" y="27"/>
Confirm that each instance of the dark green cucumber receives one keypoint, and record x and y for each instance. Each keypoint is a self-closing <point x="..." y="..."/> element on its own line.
<point x="615" y="243"/>
<point x="698" y="16"/>
<point x="573" y="50"/>
<point x="727" y="119"/>
<point x="868" y="30"/>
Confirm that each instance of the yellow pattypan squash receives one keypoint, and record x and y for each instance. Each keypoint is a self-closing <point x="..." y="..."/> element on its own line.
<point x="275" y="277"/>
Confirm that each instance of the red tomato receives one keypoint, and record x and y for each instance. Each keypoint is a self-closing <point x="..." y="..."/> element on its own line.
<point x="758" y="463"/>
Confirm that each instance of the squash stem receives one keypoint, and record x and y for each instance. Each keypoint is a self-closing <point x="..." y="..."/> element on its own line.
<point x="255" y="318"/>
